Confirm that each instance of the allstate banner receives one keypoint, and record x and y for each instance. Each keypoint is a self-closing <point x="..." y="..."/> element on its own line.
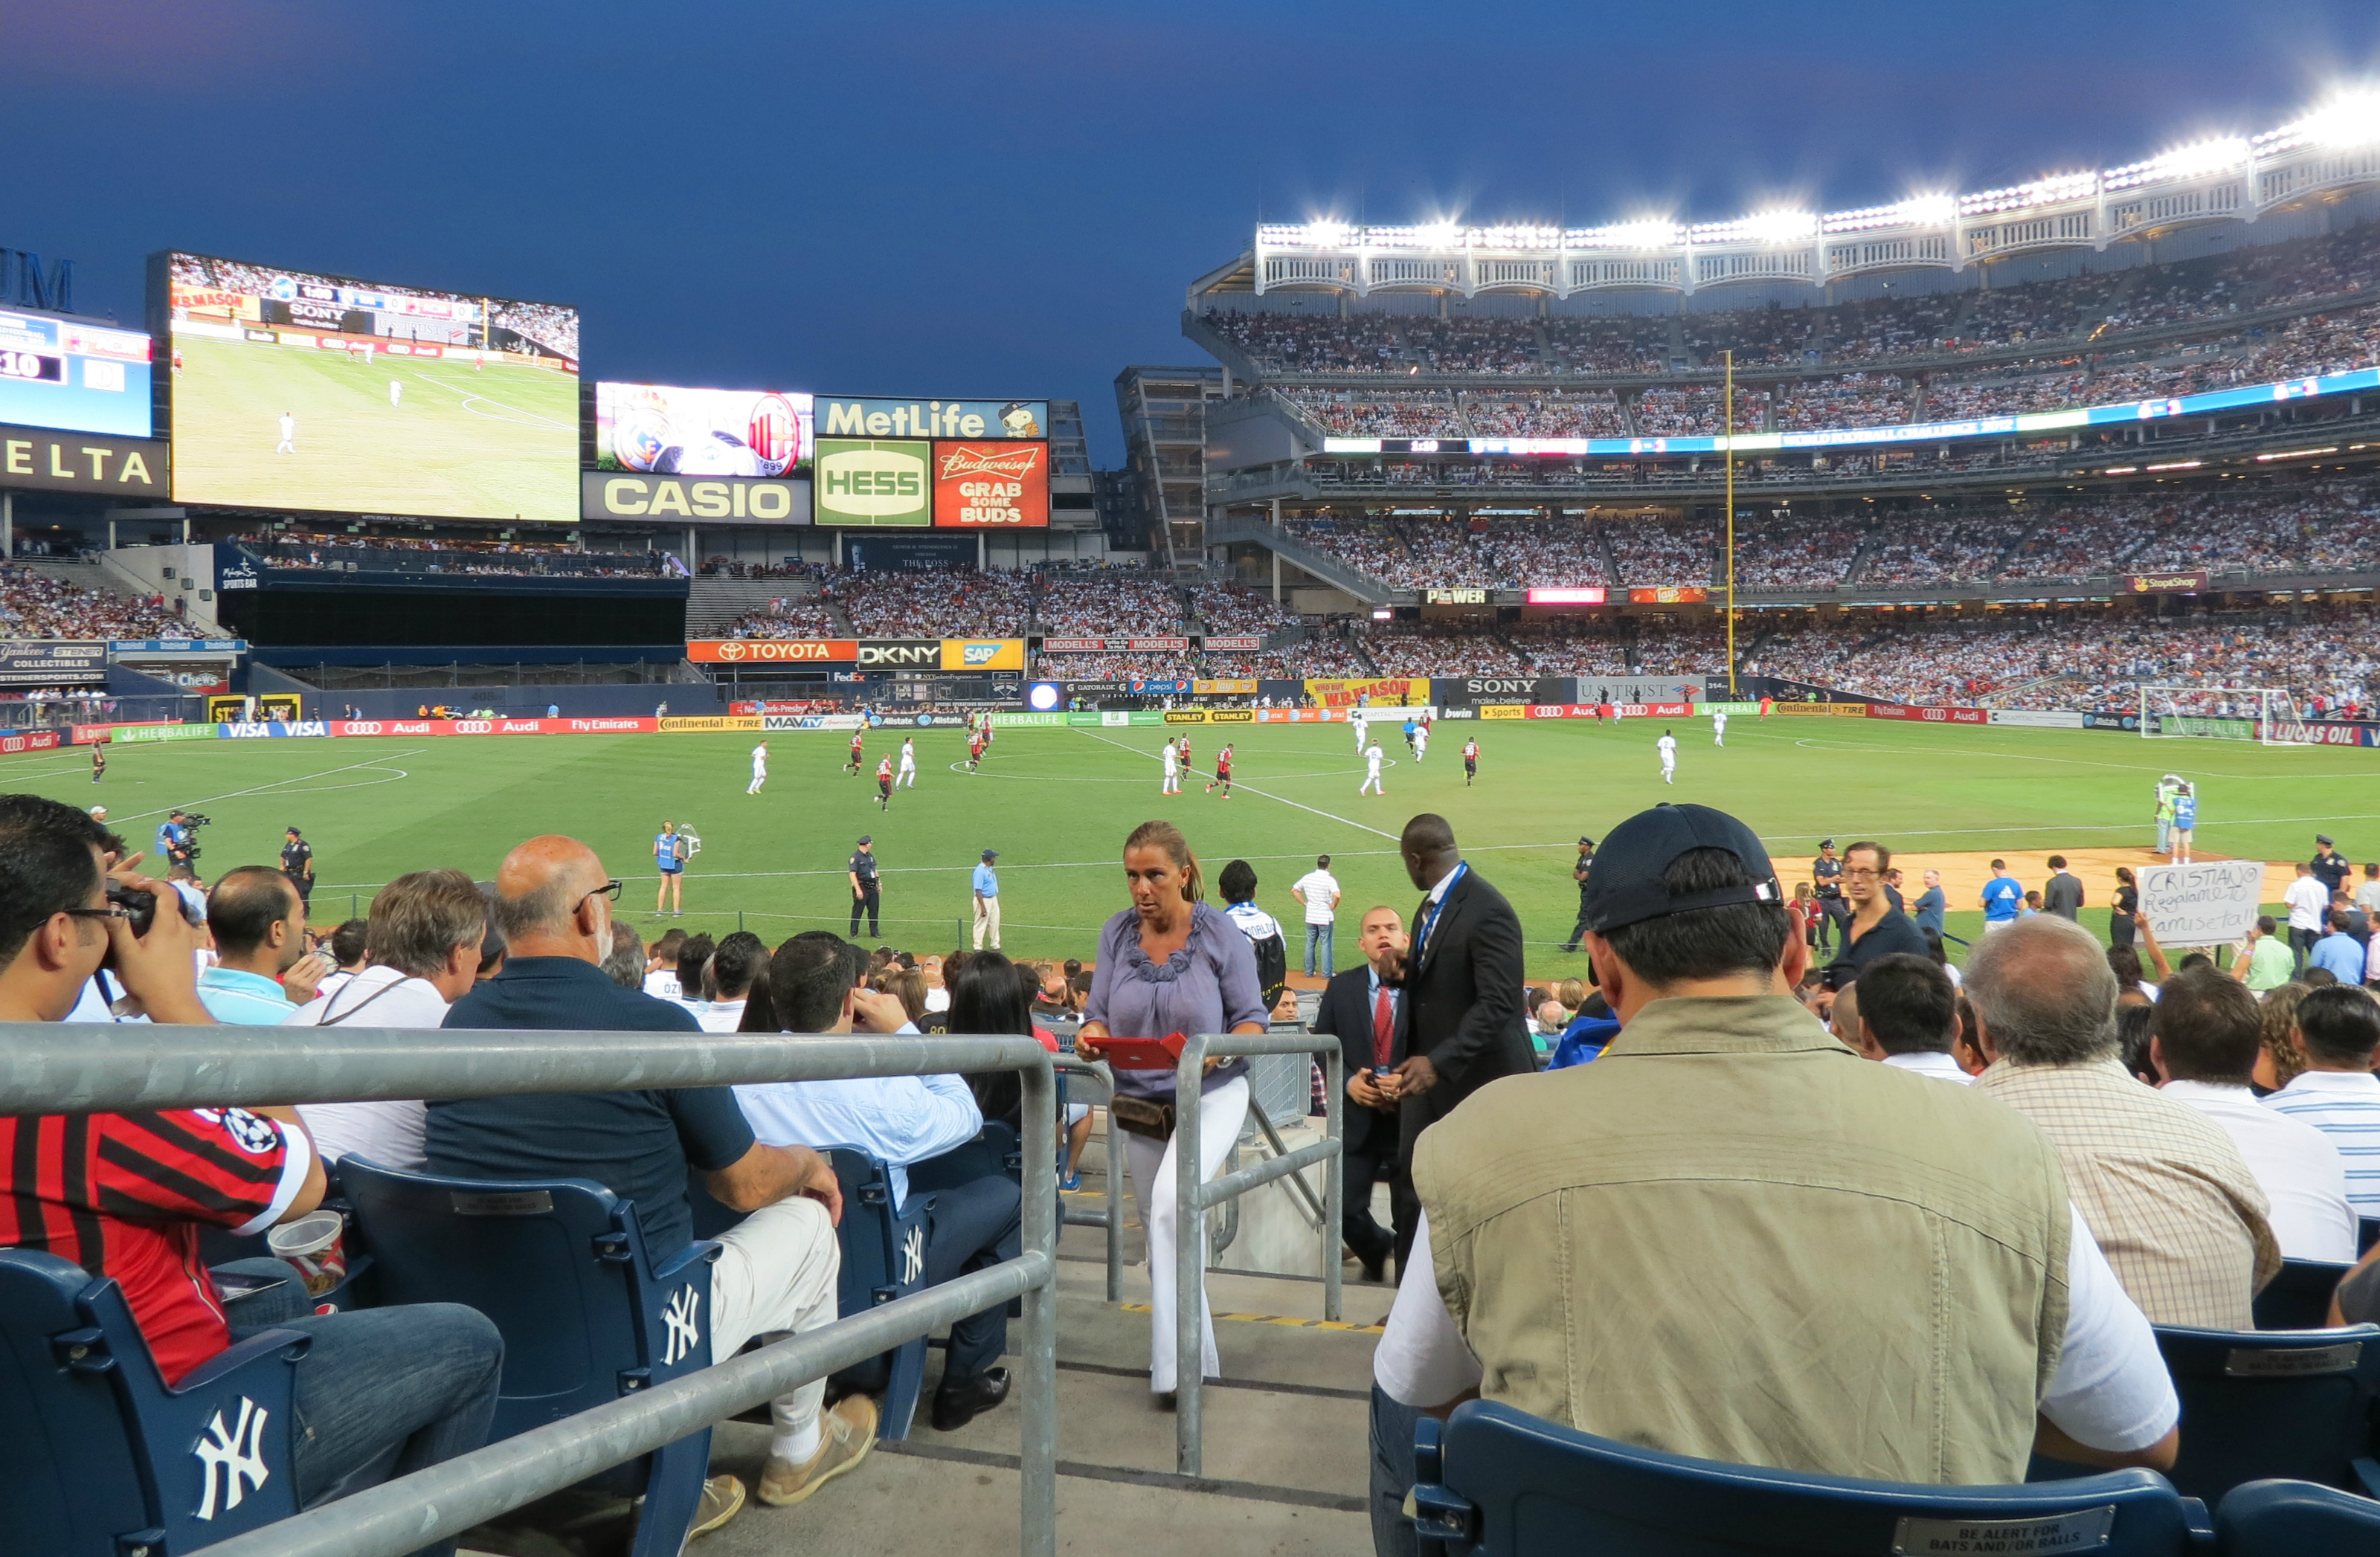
<point x="1390" y="692"/>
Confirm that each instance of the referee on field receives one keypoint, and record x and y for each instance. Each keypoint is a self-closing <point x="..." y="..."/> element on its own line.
<point x="863" y="885"/>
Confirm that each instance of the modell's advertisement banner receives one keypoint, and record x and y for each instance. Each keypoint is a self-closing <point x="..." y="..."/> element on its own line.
<point x="772" y="651"/>
<point x="1115" y="645"/>
<point x="1235" y="644"/>
<point x="1394" y="692"/>
<point x="711" y="499"/>
<point x="2167" y="583"/>
<point x="991" y="486"/>
<point x="81" y="461"/>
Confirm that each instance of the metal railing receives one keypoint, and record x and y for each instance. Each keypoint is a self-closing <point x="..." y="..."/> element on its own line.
<point x="1190" y="1200"/>
<point x="58" y="1069"/>
<point x="1111" y="1218"/>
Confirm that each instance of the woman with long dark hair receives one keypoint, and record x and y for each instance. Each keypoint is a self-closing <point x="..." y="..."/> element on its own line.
<point x="1170" y="964"/>
<point x="2120" y="928"/>
<point x="992" y="994"/>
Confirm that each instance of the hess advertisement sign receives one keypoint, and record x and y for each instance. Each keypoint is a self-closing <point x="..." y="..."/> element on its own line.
<point x="991" y="486"/>
<point x="873" y="482"/>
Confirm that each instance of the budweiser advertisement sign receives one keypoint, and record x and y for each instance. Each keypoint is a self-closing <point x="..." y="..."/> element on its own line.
<point x="1928" y="716"/>
<point x="772" y="651"/>
<point x="2167" y="583"/>
<point x="994" y="485"/>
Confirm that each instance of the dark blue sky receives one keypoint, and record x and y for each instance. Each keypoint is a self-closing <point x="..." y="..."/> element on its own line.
<point x="976" y="199"/>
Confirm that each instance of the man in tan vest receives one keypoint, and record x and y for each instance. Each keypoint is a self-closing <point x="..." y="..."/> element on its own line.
<point x="1730" y="1237"/>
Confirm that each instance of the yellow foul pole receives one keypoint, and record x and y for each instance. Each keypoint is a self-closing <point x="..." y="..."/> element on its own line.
<point x="1730" y="423"/>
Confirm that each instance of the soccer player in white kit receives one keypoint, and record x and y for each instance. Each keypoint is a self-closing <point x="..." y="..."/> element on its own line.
<point x="1719" y="727"/>
<point x="1667" y="746"/>
<point x="1421" y="740"/>
<point x="1372" y="771"/>
<point x="908" y="779"/>
<point x="289" y="445"/>
<point x="395" y="391"/>
<point x="1357" y="718"/>
<point x="759" y="769"/>
<point x="1172" y="785"/>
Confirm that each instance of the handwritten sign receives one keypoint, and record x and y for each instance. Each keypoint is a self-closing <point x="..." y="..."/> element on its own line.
<point x="2209" y="904"/>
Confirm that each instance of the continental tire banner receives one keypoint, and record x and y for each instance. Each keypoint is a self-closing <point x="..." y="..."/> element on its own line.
<point x="1822" y="710"/>
<point x="672" y="724"/>
<point x="983" y="654"/>
<point x="1928" y="716"/>
<point x="772" y="651"/>
<point x="734" y="500"/>
<point x="1392" y="692"/>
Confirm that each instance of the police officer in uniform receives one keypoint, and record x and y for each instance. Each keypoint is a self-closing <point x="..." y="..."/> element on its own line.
<point x="1578" y="874"/>
<point x="863" y="885"/>
<point x="1826" y="881"/>
<point x="297" y="864"/>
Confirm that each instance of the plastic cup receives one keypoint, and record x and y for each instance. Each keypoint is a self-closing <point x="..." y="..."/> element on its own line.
<point x="315" y="1248"/>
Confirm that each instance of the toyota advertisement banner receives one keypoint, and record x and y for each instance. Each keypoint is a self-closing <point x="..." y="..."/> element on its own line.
<point x="772" y="651"/>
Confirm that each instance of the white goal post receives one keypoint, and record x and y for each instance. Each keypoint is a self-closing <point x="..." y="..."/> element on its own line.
<point x="2266" y="715"/>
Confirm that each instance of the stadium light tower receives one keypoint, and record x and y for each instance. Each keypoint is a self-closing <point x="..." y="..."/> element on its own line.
<point x="2352" y="118"/>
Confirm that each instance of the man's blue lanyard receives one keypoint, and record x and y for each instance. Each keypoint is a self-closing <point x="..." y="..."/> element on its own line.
<point x="1430" y="921"/>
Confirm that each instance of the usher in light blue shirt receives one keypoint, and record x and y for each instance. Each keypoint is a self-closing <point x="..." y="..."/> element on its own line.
<point x="985" y="881"/>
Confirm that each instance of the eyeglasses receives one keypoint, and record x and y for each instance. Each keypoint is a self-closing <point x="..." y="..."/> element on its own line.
<point x="1857" y="874"/>
<point x="113" y="911"/>
<point x="609" y="889"/>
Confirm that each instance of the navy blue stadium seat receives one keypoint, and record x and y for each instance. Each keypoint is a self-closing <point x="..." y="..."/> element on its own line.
<point x="2295" y="1519"/>
<point x="2298" y="1298"/>
<point x="360" y="1289"/>
<point x="97" y="1458"/>
<point x="1500" y="1483"/>
<point x="2257" y="1404"/>
<point x="561" y="1267"/>
<point x="2367" y="1233"/>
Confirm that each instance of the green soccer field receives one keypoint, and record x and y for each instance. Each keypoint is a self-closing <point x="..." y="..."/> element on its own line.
<point x="1057" y="805"/>
<point x="496" y="442"/>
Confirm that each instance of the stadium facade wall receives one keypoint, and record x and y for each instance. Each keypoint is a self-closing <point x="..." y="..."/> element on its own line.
<point x="521" y="701"/>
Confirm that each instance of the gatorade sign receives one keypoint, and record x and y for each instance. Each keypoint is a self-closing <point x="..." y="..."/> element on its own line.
<point x="873" y="483"/>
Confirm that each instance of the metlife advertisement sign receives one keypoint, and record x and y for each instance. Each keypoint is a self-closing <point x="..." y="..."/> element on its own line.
<point x="847" y="417"/>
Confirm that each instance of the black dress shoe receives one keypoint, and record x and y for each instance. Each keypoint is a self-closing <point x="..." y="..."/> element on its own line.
<point x="957" y="1404"/>
<point x="1375" y="1271"/>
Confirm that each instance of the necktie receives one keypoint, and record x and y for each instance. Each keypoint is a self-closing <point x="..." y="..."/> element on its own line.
<point x="1384" y="1026"/>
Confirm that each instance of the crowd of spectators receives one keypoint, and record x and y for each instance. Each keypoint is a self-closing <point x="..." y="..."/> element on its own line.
<point x="34" y="605"/>
<point x="1851" y="400"/>
<point x="1938" y="546"/>
<point x="1235" y="611"/>
<point x="1784" y="550"/>
<point x="1546" y="413"/>
<point x="787" y="617"/>
<point x="933" y="602"/>
<point x="495" y="559"/>
<point x="1357" y="413"/>
<point x="1425" y="648"/>
<point x="1106" y="603"/>
<point x="1665" y="552"/>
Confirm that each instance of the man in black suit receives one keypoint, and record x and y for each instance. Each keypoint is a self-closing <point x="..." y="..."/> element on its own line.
<point x="1360" y="1010"/>
<point x="1460" y="1024"/>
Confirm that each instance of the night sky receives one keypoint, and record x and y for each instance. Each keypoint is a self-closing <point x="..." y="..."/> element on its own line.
<point x="953" y="200"/>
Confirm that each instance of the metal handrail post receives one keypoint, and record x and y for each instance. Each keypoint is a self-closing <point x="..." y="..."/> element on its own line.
<point x="1037" y="1454"/>
<point x="1113" y="1218"/>
<point x="1190" y="1200"/>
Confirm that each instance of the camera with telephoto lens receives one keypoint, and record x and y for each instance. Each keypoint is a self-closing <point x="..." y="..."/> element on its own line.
<point x="192" y="822"/>
<point x="142" y="905"/>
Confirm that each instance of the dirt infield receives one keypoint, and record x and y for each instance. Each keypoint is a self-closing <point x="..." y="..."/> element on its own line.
<point x="1964" y="872"/>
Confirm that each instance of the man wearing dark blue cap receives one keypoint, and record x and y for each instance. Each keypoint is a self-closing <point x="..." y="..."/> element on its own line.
<point x="1732" y="1239"/>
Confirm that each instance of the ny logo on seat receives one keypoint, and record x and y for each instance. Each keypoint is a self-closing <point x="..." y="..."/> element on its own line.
<point x="684" y="1332"/>
<point x="234" y="1460"/>
<point x="912" y="1254"/>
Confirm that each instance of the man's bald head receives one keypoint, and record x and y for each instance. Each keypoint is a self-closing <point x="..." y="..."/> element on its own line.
<point x="540" y="885"/>
<point x="1428" y="849"/>
<point x="1843" y="1019"/>
<point x="2044" y="992"/>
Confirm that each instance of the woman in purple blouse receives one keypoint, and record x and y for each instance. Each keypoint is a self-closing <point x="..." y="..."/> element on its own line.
<point x="1170" y="964"/>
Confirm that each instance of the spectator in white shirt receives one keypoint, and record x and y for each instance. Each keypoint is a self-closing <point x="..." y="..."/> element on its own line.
<point x="1905" y="1013"/>
<point x="2204" y="1038"/>
<point x="421" y="953"/>
<point x="2337" y="1028"/>
<point x="1318" y="892"/>
<point x="660" y="968"/>
<point x="814" y="983"/>
<point x="346" y="945"/>
<point x="2308" y="900"/>
<point x="727" y="980"/>
<point x="693" y="956"/>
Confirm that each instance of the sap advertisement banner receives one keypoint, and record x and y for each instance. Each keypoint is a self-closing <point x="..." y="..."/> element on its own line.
<point x="2213" y="903"/>
<point x="715" y="499"/>
<point x="843" y="417"/>
<point x="983" y="654"/>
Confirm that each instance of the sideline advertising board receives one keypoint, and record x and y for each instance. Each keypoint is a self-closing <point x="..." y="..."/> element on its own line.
<point x="2210" y="903"/>
<point x="1928" y="716"/>
<point x="1384" y="691"/>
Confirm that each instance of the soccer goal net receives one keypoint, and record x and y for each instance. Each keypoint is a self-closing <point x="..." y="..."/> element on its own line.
<point x="2262" y="713"/>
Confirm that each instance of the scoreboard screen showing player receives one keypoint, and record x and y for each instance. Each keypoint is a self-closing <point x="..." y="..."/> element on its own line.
<point x="294" y="390"/>
<point x="75" y="377"/>
<point x="674" y="431"/>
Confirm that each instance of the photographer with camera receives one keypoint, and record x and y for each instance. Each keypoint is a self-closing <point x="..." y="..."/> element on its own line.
<point x="124" y="1195"/>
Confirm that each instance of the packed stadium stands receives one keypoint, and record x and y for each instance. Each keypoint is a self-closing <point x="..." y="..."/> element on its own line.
<point x="35" y="605"/>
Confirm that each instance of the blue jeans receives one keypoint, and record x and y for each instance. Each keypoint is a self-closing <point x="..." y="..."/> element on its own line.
<point x="1393" y="1475"/>
<point x="1318" y="936"/>
<point x="417" y="1382"/>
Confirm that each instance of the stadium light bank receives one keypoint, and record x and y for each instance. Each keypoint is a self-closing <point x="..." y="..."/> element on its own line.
<point x="2336" y="146"/>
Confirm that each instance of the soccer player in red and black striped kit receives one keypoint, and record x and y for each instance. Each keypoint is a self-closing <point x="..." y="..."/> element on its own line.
<point x="124" y="1195"/>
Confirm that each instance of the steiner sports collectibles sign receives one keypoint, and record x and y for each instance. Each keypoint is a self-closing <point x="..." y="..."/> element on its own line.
<point x="991" y="486"/>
